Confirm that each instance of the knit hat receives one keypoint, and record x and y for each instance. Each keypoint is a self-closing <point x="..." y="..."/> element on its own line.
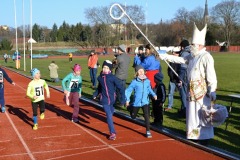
<point x="138" y="67"/>
<point x="140" y="48"/>
<point x="122" y="47"/>
<point x="77" y="67"/>
<point x="34" y="71"/>
<point x="158" y="77"/>
<point x="148" y="46"/>
<point x="184" y="43"/>
<point x="107" y="63"/>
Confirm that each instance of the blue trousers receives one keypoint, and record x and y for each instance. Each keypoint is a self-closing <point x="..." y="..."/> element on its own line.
<point x="2" y="99"/>
<point x="123" y="84"/>
<point x="93" y="76"/>
<point x="109" y="110"/>
<point x="183" y="95"/>
<point x="171" y="90"/>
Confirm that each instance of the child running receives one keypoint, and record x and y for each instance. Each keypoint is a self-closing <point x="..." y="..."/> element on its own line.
<point x="107" y="86"/>
<point x="3" y="75"/>
<point x="35" y="91"/>
<point x="71" y="85"/>
<point x="142" y="89"/>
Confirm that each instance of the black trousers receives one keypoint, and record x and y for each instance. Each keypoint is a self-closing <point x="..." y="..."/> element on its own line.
<point x="157" y="111"/>
<point x="145" y="108"/>
<point x="35" y="105"/>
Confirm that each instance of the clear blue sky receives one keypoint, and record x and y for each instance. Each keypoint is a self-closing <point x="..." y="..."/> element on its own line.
<point x="48" y="12"/>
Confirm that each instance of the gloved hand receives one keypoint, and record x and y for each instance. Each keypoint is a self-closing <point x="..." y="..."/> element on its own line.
<point x="213" y="96"/>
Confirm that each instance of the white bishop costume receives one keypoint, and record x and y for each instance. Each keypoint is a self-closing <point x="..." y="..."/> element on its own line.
<point x="201" y="80"/>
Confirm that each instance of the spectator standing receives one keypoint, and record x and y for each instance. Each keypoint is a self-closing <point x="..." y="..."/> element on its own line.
<point x="182" y="72"/>
<point x="5" y="56"/>
<point x="92" y="65"/>
<point x="160" y="91"/>
<point x="140" y="54"/>
<point x="149" y="63"/>
<point x="70" y="55"/>
<point x="122" y="64"/>
<point x="53" y="68"/>
<point x="173" y="81"/>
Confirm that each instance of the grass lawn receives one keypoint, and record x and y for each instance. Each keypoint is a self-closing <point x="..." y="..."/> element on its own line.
<point x="228" y="75"/>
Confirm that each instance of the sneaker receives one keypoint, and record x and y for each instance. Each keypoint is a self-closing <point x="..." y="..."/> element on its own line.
<point x="3" y="109"/>
<point x="75" y="120"/>
<point x="42" y="116"/>
<point x="112" y="136"/>
<point x="35" y="126"/>
<point x="148" y="134"/>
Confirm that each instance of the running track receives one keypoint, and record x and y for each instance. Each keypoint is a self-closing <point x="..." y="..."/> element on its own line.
<point x="59" y="138"/>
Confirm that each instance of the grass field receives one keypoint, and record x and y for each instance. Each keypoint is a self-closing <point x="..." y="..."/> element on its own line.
<point x="228" y="75"/>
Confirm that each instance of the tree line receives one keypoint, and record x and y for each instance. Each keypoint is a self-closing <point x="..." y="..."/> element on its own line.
<point x="223" y="25"/>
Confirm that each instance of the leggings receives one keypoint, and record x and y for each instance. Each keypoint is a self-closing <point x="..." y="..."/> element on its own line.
<point x="145" y="109"/>
<point x="35" y="105"/>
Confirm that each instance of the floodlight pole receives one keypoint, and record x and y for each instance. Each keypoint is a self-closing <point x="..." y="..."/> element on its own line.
<point x="24" y="58"/>
<point x="31" y="30"/>
<point x="15" y="20"/>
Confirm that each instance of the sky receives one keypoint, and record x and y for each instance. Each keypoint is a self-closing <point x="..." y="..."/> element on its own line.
<point x="48" y="12"/>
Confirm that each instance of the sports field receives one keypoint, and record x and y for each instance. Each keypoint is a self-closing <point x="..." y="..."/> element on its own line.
<point x="228" y="82"/>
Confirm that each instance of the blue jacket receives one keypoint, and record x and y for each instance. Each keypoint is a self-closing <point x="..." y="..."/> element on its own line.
<point x="149" y="63"/>
<point x="141" y="89"/>
<point x="107" y="88"/>
<point x="3" y="74"/>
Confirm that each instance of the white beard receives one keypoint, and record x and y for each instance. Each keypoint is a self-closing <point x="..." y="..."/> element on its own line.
<point x="194" y="50"/>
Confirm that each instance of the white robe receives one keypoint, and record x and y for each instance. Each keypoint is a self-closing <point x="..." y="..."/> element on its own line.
<point x="197" y="67"/>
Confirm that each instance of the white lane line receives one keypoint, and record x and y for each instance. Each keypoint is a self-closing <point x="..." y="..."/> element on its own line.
<point x="5" y="141"/>
<point x="70" y="155"/>
<point x="20" y="138"/>
<point x="142" y="142"/>
<point x="15" y="156"/>
<point x="105" y="148"/>
<point x="57" y="136"/>
<point x="70" y="149"/>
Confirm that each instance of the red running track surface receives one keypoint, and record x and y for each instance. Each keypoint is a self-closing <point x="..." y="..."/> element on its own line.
<point x="59" y="138"/>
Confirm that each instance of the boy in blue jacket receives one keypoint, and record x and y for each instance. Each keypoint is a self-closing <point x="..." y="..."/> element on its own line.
<point x="107" y="85"/>
<point x="142" y="89"/>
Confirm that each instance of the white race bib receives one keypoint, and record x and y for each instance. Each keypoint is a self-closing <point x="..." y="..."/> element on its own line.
<point x="39" y="91"/>
<point x="73" y="84"/>
<point x="1" y="77"/>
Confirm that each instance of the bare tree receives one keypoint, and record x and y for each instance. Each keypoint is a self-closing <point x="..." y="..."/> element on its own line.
<point x="227" y="13"/>
<point x="101" y="15"/>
